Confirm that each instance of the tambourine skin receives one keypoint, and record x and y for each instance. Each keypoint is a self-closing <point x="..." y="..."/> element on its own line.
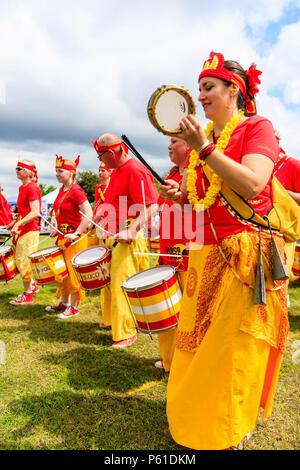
<point x="183" y="108"/>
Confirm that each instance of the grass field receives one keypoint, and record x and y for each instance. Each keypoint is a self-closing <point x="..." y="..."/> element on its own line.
<point x="63" y="387"/>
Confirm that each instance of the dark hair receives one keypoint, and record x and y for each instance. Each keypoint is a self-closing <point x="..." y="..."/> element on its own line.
<point x="235" y="67"/>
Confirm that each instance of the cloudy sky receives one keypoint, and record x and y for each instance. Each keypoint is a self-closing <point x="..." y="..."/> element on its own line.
<point x="71" y="70"/>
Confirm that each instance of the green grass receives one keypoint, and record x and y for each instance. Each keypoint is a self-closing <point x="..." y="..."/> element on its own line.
<point x="63" y="387"/>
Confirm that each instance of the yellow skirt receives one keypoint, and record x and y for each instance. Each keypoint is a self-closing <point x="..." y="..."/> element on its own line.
<point x="70" y="284"/>
<point x="228" y="351"/>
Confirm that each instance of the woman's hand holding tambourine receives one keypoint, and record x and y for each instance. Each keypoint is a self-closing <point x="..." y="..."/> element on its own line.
<point x="192" y="132"/>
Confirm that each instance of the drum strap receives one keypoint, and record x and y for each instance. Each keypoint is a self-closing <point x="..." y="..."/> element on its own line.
<point x="51" y="265"/>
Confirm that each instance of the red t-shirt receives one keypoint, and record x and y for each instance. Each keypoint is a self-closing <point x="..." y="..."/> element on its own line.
<point x="254" y="135"/>
<point x="5" y="214"/>
<point x="287" y="171"/>
<point x="29" y="192"/>
<point x="66" y="209"/>
<point x="130" y="187"/>
<point x="174" y="234"/>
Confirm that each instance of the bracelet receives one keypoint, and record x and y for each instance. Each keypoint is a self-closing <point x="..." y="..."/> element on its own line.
<point x="206" y="143"/>
<point x="207" y="151"/>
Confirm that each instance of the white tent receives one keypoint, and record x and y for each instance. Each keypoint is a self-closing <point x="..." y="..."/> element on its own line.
<point x="50" y="197"/>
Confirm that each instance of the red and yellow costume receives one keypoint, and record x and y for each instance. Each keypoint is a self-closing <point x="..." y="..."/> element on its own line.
<point x="5" y="212"/>
<point x="68" y="218"/>
<point x="228" y="351"/>
<point x="95" y="237"/>
<point x="131" y="186"/>
<point x="27" y="241"/>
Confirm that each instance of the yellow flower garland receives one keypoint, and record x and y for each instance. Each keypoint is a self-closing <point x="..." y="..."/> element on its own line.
<point x="216" y="181"/>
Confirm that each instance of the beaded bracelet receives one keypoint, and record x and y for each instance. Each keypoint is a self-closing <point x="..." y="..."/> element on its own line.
<point x="207" y="151"/>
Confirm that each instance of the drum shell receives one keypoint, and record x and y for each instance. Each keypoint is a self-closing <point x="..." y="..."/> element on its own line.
<point x="8" y="258"/>
<point x="93" y="275"/>
<point x="296" y="264"/>
<point x="41" y="269"/>
<point x="155" y="306"/>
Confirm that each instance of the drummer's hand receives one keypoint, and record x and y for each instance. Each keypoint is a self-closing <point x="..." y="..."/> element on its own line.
<point x="125" y="236"/>
<point x="15" y="229"/>
<point x="171" y="191"/>
<point x="71" y="237"/>
<point x="10" y="225"/>
<point x="192" y="133"/>
<point x="53" y="234"/>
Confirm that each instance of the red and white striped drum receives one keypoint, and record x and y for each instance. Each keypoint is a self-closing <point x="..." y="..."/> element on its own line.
<point x="296" y="265"/>
<point x="8" y="268"/>
<point x="154" y="297"/>
<point x="92" y="267"/>
<point x="48" y="265"/>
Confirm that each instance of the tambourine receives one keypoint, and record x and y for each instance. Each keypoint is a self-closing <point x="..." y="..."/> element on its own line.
<point x="168" y="105"/>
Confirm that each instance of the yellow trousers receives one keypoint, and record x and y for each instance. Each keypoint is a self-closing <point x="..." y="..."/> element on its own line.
<point x="26" y="245"/>
<point x="114" y="306"/>
<point x="70" y="284"/>
<point x="166" y="340"/>
<point x="228" y="350"/>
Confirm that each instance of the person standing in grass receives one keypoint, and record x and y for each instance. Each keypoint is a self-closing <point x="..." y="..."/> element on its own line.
<point x="25" y="230"/>
<point x="229" y="343"/>
<point x="130" y="202"/>
<point x="71" y="226"/>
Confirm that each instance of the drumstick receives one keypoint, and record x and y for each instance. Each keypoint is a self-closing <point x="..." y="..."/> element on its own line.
<point x="135" y="152"/>
<point x="98" y="226"/>
<point x="158" y="254"/>
<point x="52" y="226"/>
<point x="144" y="201"/>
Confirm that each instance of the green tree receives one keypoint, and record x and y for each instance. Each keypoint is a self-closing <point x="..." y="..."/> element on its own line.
<point x="87" y="179"/>
<point x="46" y="190"/>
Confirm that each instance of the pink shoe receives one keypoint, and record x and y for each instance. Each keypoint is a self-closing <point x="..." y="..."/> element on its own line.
<point x="34" y="288"/>
<point x="69" y="312"/>
<point x="55" y="308"/>
<point x="23" y="299"/>
<point x="103" y="326"/>
<point x="124" y="342"/>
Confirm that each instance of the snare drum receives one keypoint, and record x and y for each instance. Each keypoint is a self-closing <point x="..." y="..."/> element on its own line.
<point x="8" y="268"/>
<point x="48" y="265"/>
<point x="92" y="267"/>
<point x="154" y="297"/>
<point x="168" y="106"/>
<point x="296" y="265"/>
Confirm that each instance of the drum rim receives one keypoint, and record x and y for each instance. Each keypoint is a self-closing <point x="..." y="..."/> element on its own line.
<point x="92" y="262"/>
<point x="149" y="286"/>
<point x="40" y="255"/>
<point x="9" y="248"/>
<point x="153" y="101"/>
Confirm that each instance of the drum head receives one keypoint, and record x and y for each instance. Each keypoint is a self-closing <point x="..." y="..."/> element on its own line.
<point x="90" y="255"/>
<point x="149" y="278"/>
<point x="168" y="106"/>
<point x="44" y="252"/>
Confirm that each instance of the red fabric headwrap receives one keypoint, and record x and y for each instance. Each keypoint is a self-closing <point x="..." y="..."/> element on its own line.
<point x="102" y="165"/>
<point x="67" y="164"/>
<point x="103" y="148"/>
<point x="213" y="67"/>
<point x="30" y="168"/>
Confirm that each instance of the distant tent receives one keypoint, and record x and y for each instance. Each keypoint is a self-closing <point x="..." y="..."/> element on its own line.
<point x="50" y="197"/>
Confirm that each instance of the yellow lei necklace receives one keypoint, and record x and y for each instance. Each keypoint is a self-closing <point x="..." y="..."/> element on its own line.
<point x="216" y="181"/>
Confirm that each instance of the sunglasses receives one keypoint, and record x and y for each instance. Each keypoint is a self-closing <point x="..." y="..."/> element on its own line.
<point x="19" y="169"/>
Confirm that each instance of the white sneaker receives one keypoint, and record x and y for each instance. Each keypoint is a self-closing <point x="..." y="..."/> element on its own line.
<point x="159" y="364"/>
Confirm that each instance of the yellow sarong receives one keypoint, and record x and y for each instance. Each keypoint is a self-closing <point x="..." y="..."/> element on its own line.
<point x="124" y="264"/>
<point x="26" y="245"/>
<point x="228" y="351"/>
<point x="70" y="284"/>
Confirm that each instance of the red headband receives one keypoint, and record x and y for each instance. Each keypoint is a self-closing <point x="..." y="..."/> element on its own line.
<point x="30" y="168"/>
<point x="103" y="148"/>
<point x="213" y="67"/>
<point x="67" y="164"/>
<point x="102" y="165"/>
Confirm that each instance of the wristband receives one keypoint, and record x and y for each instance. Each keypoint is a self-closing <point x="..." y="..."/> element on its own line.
<point x="78" y="234"/>
<point x="207" y="151"/>
<point x="206" y="143"/>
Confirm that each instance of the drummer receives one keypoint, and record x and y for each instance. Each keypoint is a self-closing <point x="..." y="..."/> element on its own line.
<point x="100" y="189"/>
<point x="25" y="230"/>
<point x="131" y="186"/>
<point x="173" y="241"/>
<point x="71" y="226"/>
<point x="5" y="213"/>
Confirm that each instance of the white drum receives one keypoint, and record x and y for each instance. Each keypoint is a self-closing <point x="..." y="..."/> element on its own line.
<point x="92" y="267"/>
